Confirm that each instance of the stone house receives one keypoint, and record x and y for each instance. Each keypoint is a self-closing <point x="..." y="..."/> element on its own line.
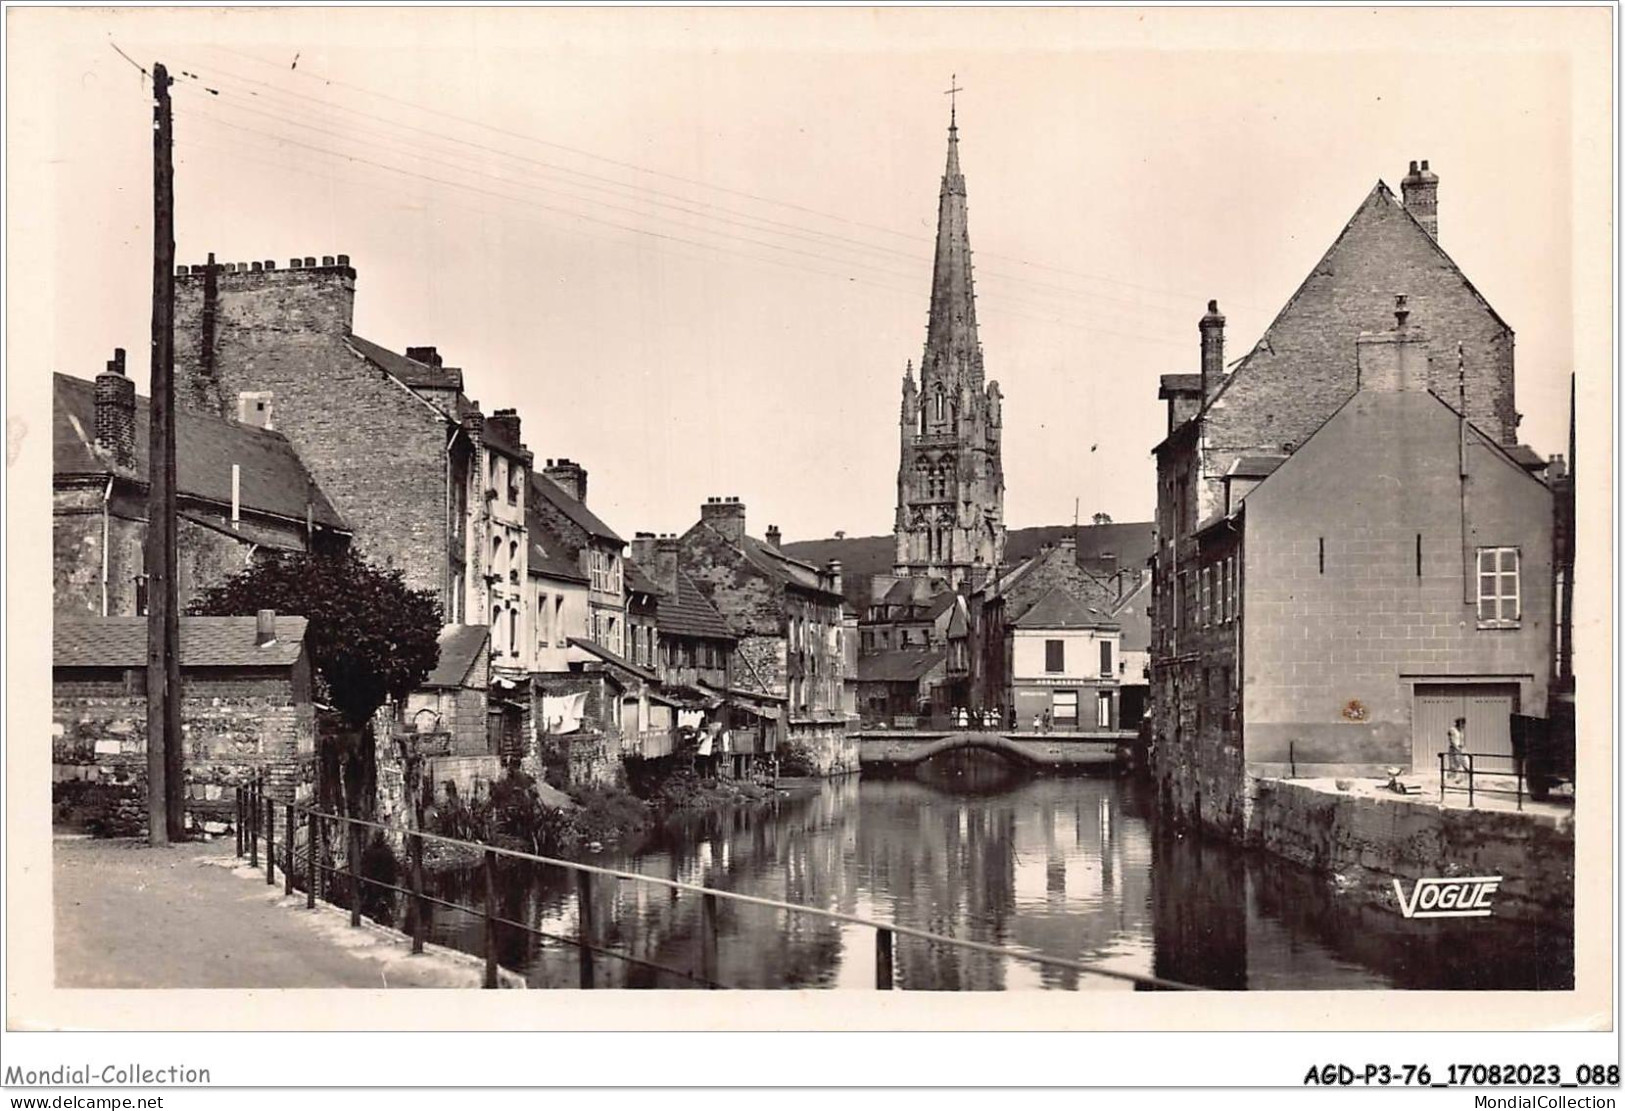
<point x="560" y="494"/>
<point x="240" y="490"/>
<point x="1061" y="659"/>
<point x="1392" y="574"/>
<point x="246" y="706"/>
<point x="894" y="688"/>
<point x="788" y="617"/>
<point x="1229" y="435"/>
<point x="274" y="347"/>
<point x="559" y="595"/>
<point x="695" y="646"/>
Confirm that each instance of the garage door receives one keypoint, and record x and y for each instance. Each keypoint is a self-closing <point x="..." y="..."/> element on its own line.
<point x="1488" y="708"/>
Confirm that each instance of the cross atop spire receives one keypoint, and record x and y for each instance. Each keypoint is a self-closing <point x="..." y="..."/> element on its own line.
<point x="951" y="92"/>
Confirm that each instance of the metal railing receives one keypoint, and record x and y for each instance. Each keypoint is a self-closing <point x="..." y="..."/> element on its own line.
<point x="1471" y="771"/>
<point x="257" y="820"/>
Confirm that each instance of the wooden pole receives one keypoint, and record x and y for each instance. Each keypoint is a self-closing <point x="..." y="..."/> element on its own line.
<point x="254" y="822"/>
<point x="490" y="918"/>
<point x="354" y="843"/>
<point x="584" y="926"/>
<point x="883" y="960"/>
<point x="708" y="939"/>
<point x="165" y="815"/>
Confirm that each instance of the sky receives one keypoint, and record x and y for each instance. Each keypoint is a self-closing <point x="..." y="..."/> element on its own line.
<point x="692" y="247"/>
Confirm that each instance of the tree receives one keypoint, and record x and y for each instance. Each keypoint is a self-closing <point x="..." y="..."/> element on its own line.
<point x="371" y="637"/>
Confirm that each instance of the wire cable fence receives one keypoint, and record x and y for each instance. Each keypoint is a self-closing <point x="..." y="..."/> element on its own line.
<point x="306" y="846"/>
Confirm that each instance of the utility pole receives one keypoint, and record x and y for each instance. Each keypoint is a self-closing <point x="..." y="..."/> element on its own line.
<point x="165" y="817"/>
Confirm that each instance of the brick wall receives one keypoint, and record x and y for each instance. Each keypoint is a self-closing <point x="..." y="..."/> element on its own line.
<point x="1369" y="627"/>
<point x="233" y="725"/>
<point x="377" y="450"/>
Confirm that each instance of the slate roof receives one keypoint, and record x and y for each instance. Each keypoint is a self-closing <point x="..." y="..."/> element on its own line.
<point x="1254" y="466"/>
<point x="781" y="566"/>
<point x="1056" y="609"/>
<point x="1526" y="457"/>
<point x="550" y="556"/>
<point x="544" y="487"/>
<point x="273" y="480"/>
<point x="205" y="642"/>
<point x="460" y="647"/>
<point x="1133" y="617"/>
<point x="689" y="614"/>
<point x="410" y="372"/>
<point x="592" y="647"/>
<point x="897" y="666"/>
<point x="638" y="581"/>
<point x="864" y="557"/>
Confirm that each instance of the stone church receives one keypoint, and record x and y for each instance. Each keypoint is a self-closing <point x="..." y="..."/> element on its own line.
<point x="950" y="480"/>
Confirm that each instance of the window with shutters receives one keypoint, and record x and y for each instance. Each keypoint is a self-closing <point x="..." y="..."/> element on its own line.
<point x="1064" y="708"/>
<point x="1105" y="659"/>
<point x="1055" y="656"/>
<point x="1499" y="600"/>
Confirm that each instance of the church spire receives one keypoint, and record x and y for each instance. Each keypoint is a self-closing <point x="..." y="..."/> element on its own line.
<point x="952" y="349"/>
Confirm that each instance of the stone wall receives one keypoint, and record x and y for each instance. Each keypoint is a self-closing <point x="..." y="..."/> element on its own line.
<point x="1369" y="841"/>
<point x="822" y="747"/>
<point x="591" y="756"/>
<point x="234" y="725"/>
<point x="459" y="712"/>
<point x="377" y="450"/>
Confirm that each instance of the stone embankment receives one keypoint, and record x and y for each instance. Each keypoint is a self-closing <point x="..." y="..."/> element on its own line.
<point x="1364" y="839"/>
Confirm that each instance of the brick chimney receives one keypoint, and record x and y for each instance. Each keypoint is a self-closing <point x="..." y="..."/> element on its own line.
<point x="726" y="516"/>
<point x="774" y="536"/>
<point x="833" y="570"/>
<point x="115" y="411"/>
<point x="642" y="552"/>
<point x="1394" y="361"/>
<point x="571" y="477"/>
<point x="664" y="569"/>
<point x="1421" y="192"/>
<point x="1212" y="329"/>
<point x="264" y="628"/>
<point x="504" y="425"/>
<point x="428" y="356"/>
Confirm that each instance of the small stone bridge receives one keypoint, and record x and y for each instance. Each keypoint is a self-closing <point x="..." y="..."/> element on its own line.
<point x="884" y="747"/>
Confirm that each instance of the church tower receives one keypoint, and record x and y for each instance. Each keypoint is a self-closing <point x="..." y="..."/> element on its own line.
<point x="950" y="481"/>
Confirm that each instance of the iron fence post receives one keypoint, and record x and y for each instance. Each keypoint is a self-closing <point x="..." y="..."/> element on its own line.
<point x="419" y="905"/>
<point x="354" y="846"/>
<point x="1441" y="777"/>
<point x="270" y="841"/>
<point x="312" y="868"/>
<point x="1470" y="770"/>
<point x="253" y="823"/>
<point x="708" y="939"/>
<point x="584" y="926"/>
<point x="883" y="960"/>
<point x="490" y="918"/>
<point x="287" y="829"/>
<point x="239" y="822"/>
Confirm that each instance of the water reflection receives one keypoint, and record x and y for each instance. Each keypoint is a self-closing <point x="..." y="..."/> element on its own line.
<point x="1071" y="867"/>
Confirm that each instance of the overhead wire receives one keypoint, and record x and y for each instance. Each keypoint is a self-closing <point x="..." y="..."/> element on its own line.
<point x="1000" y="309"/>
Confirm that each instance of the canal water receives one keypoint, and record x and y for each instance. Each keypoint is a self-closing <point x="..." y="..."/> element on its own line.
<point x="1074" y="867"/>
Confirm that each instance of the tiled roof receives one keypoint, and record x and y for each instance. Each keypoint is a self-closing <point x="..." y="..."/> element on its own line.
<point x="1526" y="457"/>
<point x="272" y="479"/>
<point x="205" y="642"/>
<point x="689" y="614"/>
<point x="460" y="647"/>
<point x="1056" y="609"/>
<point x="410" y="372"/>
<point x="779" y="565"/>
<point x="897" y="666"/>
<point x="544" y="487"/>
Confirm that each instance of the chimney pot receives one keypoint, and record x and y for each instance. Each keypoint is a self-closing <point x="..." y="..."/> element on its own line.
<point x="571" y="477"/>
<point x="264" y="628"/>
<point x="270" y="264"/>
<point x="297" y="264"/>
<point x="327" y="260"/>
<point x="310" y="261"/>
<point x="344" y="260"/>
<point x="774" y="536"/>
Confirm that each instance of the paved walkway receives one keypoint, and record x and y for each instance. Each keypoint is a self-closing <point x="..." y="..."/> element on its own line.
<point x="130" y="915"/>
<point x="1493" y="792"/>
